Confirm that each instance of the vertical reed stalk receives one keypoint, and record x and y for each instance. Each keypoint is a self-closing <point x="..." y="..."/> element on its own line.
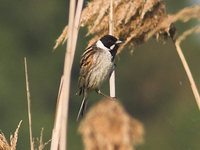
<point x="76" y="25"/>
<point x="59" y="135"/>
<point x="57" y="123"/>
<point x="111" y="31"/>
<point x="29" y="104"/>
<point x="65" y="93"/>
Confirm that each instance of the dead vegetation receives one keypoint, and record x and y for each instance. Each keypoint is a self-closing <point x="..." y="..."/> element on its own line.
<point x="107" y="126"/>
<point x="4" y="144"/>
<point x="183" y="15"/>
<point x="38" y="144"/>
<point x="132" y="20"/>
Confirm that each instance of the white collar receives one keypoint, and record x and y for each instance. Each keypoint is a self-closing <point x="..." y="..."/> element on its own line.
<point x="99" y="44"/>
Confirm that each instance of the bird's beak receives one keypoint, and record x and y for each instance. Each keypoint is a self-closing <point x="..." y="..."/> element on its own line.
<point x="118" y="42"/>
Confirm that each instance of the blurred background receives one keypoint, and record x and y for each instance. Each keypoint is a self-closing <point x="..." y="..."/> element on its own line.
<point x="151" y="83"/>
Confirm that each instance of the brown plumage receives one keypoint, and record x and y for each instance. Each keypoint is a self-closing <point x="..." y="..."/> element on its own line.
<point x="96" y="65"/>
<point x="85" y="64"/>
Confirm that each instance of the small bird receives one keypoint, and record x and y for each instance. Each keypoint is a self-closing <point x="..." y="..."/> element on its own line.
<point x="96" y="65"/>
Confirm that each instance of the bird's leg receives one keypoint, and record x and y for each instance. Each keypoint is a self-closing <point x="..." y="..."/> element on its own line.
<point x="99" y="92"/>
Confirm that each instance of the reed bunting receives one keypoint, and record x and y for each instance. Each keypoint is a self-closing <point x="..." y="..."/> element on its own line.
<point x="96" y="65"/>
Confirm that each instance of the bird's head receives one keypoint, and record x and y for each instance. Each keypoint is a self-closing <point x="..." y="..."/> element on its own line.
<point x="108" y="42"/>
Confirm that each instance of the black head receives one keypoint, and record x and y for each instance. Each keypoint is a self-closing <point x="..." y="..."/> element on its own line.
<point x="110" y="43"/>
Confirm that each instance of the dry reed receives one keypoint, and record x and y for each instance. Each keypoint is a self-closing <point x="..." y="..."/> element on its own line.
<point x="184" y="15"/>
<point x="184" y="62"/>
<point x="3" y="142"/>
<point x="66" y="79"/>
<point x="41" y="145"/>
<point x="132" y="20"/>
<point x="188" y="32"/>
<point x="107" y="126"/>
<point x="57" y="123"/>
<point x="28" y="104"/>
<point x="4" y="145"/>
<point x="59" y="136"/>
<point x="111" y="30"/>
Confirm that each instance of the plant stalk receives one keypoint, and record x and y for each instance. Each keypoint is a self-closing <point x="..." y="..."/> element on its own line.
<point x="189" y="74"/>
<point x="111" y="31"/>
<point x="29" y="104"/>
<point x="65" y="92"/>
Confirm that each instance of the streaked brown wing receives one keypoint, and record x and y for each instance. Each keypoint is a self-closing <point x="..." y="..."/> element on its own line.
<point x="85" y="64"/>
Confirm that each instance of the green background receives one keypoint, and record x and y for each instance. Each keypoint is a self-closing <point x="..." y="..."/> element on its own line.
<point x="151" y="83"/>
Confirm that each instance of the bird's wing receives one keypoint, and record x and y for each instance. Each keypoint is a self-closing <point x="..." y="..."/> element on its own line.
<point x="85" y="65"/>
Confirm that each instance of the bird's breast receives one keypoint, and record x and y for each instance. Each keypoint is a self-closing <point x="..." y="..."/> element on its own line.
<point x="101" y="69"/>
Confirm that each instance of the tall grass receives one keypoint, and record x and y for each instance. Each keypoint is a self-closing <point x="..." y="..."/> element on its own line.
<point x="39" y="145"/>
<point x="28" y="104"/>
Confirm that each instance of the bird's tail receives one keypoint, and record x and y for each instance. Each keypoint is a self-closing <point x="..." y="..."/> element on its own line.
<point x="82" y="108"/>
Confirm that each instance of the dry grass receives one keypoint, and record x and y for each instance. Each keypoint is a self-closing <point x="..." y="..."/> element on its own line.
<point x="132" y="20"/>
<point x="40" y="143"/>
<point x="4" y="145"/>
<point x="185" y="64"/>
<point x="28" y="104"/>
<point x="33" y="145"/>
<point x="62" y="38"/>
<point x="187" y="33"/>
<point x="3" y="142"/>
<point x="107" y="126"/>
<point x="184" y="15"/>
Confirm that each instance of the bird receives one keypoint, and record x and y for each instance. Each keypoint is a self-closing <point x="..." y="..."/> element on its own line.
<point x="96" y="65"/>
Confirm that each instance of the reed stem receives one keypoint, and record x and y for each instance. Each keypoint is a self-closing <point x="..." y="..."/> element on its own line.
<point x="111" y="32"/>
